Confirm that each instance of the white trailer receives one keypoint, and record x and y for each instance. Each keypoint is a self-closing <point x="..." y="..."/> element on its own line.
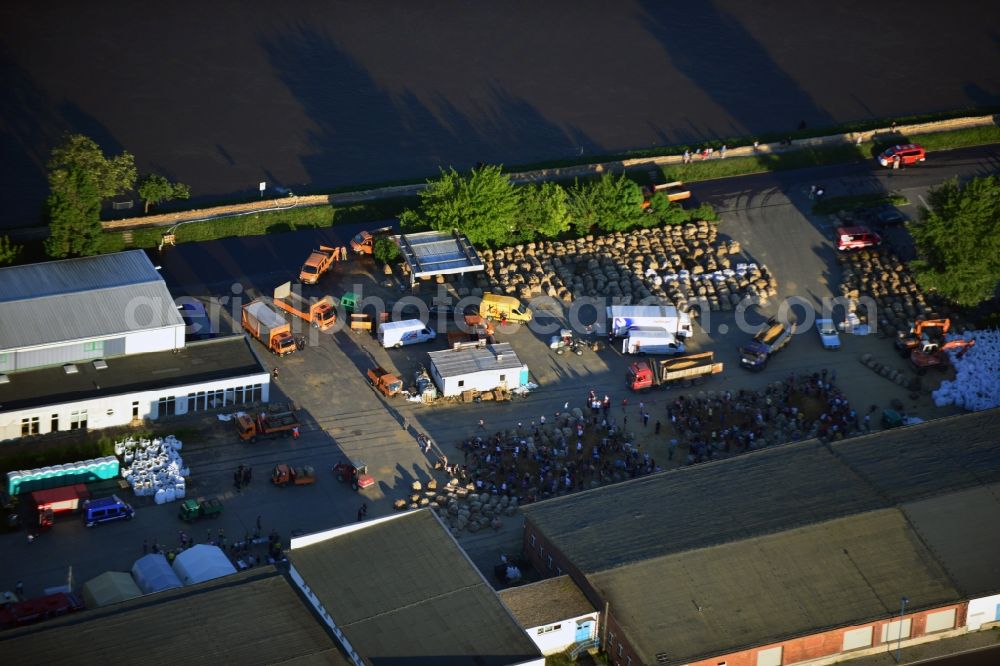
<point x="621" y="318"/>
<point x="651" y="341"/>
<point x="406" y="332"/>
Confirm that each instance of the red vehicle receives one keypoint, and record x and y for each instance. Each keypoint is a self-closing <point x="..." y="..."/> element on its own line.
<point x="905" y="155"/>
<point x="53" y="501"/>
<point x="355" y="473"/>
<point x="38" y="609"/>
<point x="856" y="238"/>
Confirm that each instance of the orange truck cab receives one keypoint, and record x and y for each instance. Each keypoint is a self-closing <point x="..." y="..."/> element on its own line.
<point x="321" y="313"/>
<point x="319" y="262"/>
<point x="364" y="242"/>
<point x="269" y="327"/>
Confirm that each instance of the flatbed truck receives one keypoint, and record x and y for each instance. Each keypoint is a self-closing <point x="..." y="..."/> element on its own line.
<point x="266" y="424"/>
<point x="321" y="313"/>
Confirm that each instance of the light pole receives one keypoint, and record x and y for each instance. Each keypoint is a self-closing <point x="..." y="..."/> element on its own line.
<point x="899" y="635"/>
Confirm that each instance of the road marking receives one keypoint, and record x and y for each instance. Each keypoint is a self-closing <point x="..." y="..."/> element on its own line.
<point x="926" y="205"/>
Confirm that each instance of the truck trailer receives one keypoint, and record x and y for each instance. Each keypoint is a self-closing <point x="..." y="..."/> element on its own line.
<point x="657" y="374"/>
<point x="321" y="313"/>
<point x="651" y="341"/>
<point x="265" y="324"/>
<point x="621" y="318"/>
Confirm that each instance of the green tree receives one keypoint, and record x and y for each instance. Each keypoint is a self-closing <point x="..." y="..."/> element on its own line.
<point x="155" y="189"/>
<point x="80" y="177"/>
<point x="612" y="203"/>
<point x="484" y="205"/>
<point x="544" y="212"/>
<point x="664" y="211"/>
<point x="8" y="251"/>
<point x="385" y="250"/>
<point x="958" y="241"/>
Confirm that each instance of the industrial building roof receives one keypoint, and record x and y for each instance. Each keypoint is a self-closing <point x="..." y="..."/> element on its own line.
<point x="402" y="591"/>
<point x="546" y="601"/>
<point x="439" y="253"/>
<point x="468" y="360"/>
<point x="729" y="532"/>
<point x="761" y="590"/>
<point x="81" y="299"/>
<point x="203" y="361"/>
<point x="255" y="617"/>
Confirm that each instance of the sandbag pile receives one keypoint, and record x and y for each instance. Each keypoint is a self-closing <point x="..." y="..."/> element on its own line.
<point x="680" y="265"/>
<point x="153" y="467"/>
<point x="882" y="276"/>
<point x="977" y="380"/>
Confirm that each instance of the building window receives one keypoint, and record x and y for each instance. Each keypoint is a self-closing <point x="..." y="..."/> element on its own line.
<point x="559" y="571"/>
<point x="135" y="409"/>
<point x="620" y="649"/>
<point x="856" y="639"/>
<point x="215" y="398"/>
<point x="550" y="628"/>
<point x="503" y="378"/>
<point x="29" y="426"/>
<point x="461" y="383"/>
<point x="550" y="563"/>
<point x="628" y="661"/>
<point x="531" y="540"/>
<point x="769" y="657"/>
<point x="97" y="346"/>
<point x="611" y="638"/>
<point x="4" y="358"/>
<point x="78" y="420"/>
<point x="229" y="396"/>
<point x="166" y="406"/>
<point x="940" y="621"/>
<point x="896" y="630"/>
<point x="54" y="424"/>
<point x="254" y="393"/>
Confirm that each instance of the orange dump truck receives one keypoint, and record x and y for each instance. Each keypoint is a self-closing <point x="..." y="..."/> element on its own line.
<point x="321" y="312"/>
<point x="319" y="262"/>
<point x="269" y="327"/>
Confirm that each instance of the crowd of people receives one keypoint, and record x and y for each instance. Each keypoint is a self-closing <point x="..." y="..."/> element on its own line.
<point x="582" y="448"/>
<point x="243" y="553"/>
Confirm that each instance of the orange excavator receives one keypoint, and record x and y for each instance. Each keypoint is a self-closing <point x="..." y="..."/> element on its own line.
<point x="932" y="354"/>
<point x="924" y="331"/>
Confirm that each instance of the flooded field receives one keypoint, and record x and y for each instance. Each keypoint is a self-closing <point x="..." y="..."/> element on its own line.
<point x="315" y="94"/>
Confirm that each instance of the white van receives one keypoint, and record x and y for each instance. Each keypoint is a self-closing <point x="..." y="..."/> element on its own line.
<point x="651" y="341"/>
<point x="406" y="332"/>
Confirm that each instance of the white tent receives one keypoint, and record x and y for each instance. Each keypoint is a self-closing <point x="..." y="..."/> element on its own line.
<point x="110" y="588"/>
<point x="202" y="562"/>
<point x="152" y="573"/>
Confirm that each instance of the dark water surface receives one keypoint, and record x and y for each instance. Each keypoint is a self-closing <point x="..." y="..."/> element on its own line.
<point x="223" y="94"/>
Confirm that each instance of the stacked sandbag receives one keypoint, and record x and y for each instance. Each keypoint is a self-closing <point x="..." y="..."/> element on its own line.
<point x="154" y="468"/>
<point x="977" y="373"/>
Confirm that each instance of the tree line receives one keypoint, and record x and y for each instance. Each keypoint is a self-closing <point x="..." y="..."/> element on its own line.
<point x="491" y="210"/>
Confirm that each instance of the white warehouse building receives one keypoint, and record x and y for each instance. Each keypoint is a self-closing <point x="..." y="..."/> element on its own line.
<point x="98" y="342"/>
<point x="480" y="368"/>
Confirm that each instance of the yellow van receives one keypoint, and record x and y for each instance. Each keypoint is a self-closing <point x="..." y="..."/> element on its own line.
<point x="503" y="308"/>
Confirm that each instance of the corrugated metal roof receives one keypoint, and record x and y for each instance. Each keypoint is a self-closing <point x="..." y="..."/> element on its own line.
<point x="80" y="299"/>
<point x="458" y="362"/>
<point x="76" y="275"/>
<point x="439" y="252"/>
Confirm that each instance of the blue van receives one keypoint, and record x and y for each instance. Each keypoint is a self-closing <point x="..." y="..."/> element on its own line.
<point x="106" y="509"/>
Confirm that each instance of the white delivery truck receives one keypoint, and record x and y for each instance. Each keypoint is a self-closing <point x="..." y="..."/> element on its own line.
<point x="406" y="332"/>
<point x="651" y="341"/>
<point x="621" y="318"/>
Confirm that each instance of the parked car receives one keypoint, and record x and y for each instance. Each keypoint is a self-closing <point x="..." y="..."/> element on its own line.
<point x="856" y="238"/>
<point x="888" y="217"/>
<point x="828" y="333"/>
<point x="906" y="154"/>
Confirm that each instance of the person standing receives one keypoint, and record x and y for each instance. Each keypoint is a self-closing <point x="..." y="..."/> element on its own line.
<point x="722" y="152"/>
<point x="19" y="589"/>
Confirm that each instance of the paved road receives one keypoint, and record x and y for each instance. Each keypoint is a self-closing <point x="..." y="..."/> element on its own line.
<point x="332" y="94"/>
<point x="344" y="417"/>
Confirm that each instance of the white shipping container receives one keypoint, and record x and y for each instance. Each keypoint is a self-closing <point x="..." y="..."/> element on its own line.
<point x="621" y="318"/>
